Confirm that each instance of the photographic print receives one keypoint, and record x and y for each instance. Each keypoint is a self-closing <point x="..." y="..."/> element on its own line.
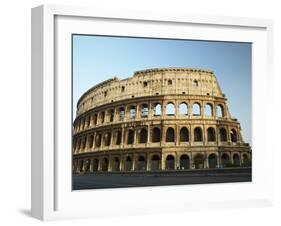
<point x="154" y="112"/>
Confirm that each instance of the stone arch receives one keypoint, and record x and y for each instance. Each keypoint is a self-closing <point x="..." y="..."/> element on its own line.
<point x="155" y="163"/>
<point x="157" y="109"/>
<point x="107" y="139"/>
<point x="223" y="135"/>
<point x="156" y="135"/>
<point x="121" y="112"/>
<point x="143" y="136"/>
<point x="170" y="109"/>
<point x="220" y="110"/>
<point x="233" y="136"/>
<point x="90" y="141"/>
<point x="184" y="162"/>
<point x="170" y="162"/>
<point x="196" y="109"/>
<point x="198" y="135"/>
<point x="116" y="164"/>
<point x="96" y="165"/>
<point x="236" y="159"/>
<point x="130" y="136"/>
<point x="98" y="140"/>
<point x="199" y="161"/>
<point x="118" y="137"/>
<point x="170" y="135"/>
<point x="211" y="134"/>
<point x="183" y="109"/>
<point x="212" y="160"/>
<point x="225" y="160"/>
<point x="128" y="164"/>
<point x="209" y="109"/>
<point x="144" y="110"/>
<point x="184" y="134"/>
<point x="133" y="112"/>
<point x="141" y="163"/>
<point x="104" y="164"/>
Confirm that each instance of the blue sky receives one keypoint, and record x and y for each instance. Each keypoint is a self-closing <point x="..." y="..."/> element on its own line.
<point x="97" y="58"/>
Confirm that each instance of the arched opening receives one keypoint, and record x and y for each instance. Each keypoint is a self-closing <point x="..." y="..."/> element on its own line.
<point x="184" y="162"/>
<point x="118" y="137"/>
<point x="170" y="135"/>
<point x="170" y="82"/>
<point x="184" y="135"/>
<point x="198" y="136"/>
<point x="195" y="83"/>
<point x="81" y="162"/>
<point x="225" y="161"/>
<point x="170" y="109"/>
<point x="132" y="112"/>
<point x="212" y="161"/>
<point x="128" y="164"/>
<point x="130" y="138"/>
<point x="155" y="162"/>
<point x="84" y="143"/>
<point x="170" y="162"/>
<point x="87" y="165"/>
<point x="157" y="109"/>
<point x="223" y="135"/>
<point x="143" y="136"/>
<point x="107" y="139"/>
<point x="96" y="165"/>
<point x="156" y="135"/>
<point x="236" y="160"/>
<point x="144" y="111"/>
<point x="104" y="166"/>
<point x="116" y="164"/>
<point x="121" y="114"/>
<point x="183" y="109"/>
<point x="233" y="135"/>
<point x="220" y="111"/>
<point x="211" y="134"/>
<point x="141" y="163"/>
<point x="90" y="141"/>
<point x="98" y="140"/>
<point x="209" y="110"/>
<point x="196" y="109"/>
<point x="199" y="161"/>
<point x="102" y="117"/>
<point x="95" y="119"/>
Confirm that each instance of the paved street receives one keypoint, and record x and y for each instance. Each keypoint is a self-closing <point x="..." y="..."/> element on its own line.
<point x="137" y="179"/>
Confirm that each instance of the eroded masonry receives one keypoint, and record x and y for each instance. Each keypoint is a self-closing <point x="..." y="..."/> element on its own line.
<point x="158" y="119"/>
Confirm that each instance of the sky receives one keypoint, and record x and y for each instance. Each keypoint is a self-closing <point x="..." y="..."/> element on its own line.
<point x="97" y="58"/>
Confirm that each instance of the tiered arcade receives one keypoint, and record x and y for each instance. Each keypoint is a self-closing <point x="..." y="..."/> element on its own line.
<point x="158" y="119"/>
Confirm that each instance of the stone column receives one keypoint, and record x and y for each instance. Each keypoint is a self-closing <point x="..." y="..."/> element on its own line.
<point x="163" y="159"/>
<point x="148" y="134"/>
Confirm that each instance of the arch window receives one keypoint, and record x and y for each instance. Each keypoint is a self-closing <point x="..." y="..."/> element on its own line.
<point x="183" y="109"/>
<point x="236" y="160"/>
<point x="156" y="135"/>
<point x="220" y="111"/>
<point x="170" y="109"/>
<point x="212" y="161"/>
<point x="223" y="135"/>
<point x="184" y="135"/>
<point x="155" y="162"/>
<point x="211" y="134"/>
<point x="143" y="136"/>
<point x="157" y="109"/>
<point x="130" y="139"/>
<point x="107" y="139"/>
<point x="96" y="165"/>
<point x="144" y="111"/>
<point x="233" y="135"/>
<point x="91" y="138"/>
<point x="184" y="162"/>
<point x="141" y="163"/>
<point x="98" y="140"/>
<point x="128" y="164"/>
<point x="95" y="119"/>
<point x="209" y="110"/>
<point x="133" y="112"/>
<point x="198" y="136"/>
<point x="102" y="117"/>
<point x="116" y="164"/>
<point x="170" y="135"/>
<point x="199" y="161"/>
<point x="196" y="109"/>
<point x="121" y="113"/>
<point x="170" y="162"/>
<point x="118" y="137"/>
<point x="170" y="82"/>
<point x="105" y="164"/>
<point x="225" y="160"/>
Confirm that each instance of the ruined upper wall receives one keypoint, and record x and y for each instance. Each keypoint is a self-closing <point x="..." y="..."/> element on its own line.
<point x="151" y="82"/>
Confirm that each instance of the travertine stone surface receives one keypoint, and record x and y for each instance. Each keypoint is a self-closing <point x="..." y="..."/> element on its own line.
<point x="158" y="119"/>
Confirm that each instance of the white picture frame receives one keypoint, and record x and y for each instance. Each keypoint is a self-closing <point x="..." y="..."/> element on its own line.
<point x="52" y="197"/>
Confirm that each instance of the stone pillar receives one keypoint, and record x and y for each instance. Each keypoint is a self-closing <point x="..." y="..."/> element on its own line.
<point x="134" y="162"/>
<point x="122" y="136"/>
<point x="148" y="134"/>
<point x="163" y="159"/>
<point x="207" y="162"/>
<point x="147" y="162"/>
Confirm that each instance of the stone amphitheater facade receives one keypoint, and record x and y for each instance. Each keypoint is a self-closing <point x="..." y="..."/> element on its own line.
<point x="158" y="119"/>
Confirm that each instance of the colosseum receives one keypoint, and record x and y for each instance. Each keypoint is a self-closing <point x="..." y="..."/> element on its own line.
<point x="157" y="120"/>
